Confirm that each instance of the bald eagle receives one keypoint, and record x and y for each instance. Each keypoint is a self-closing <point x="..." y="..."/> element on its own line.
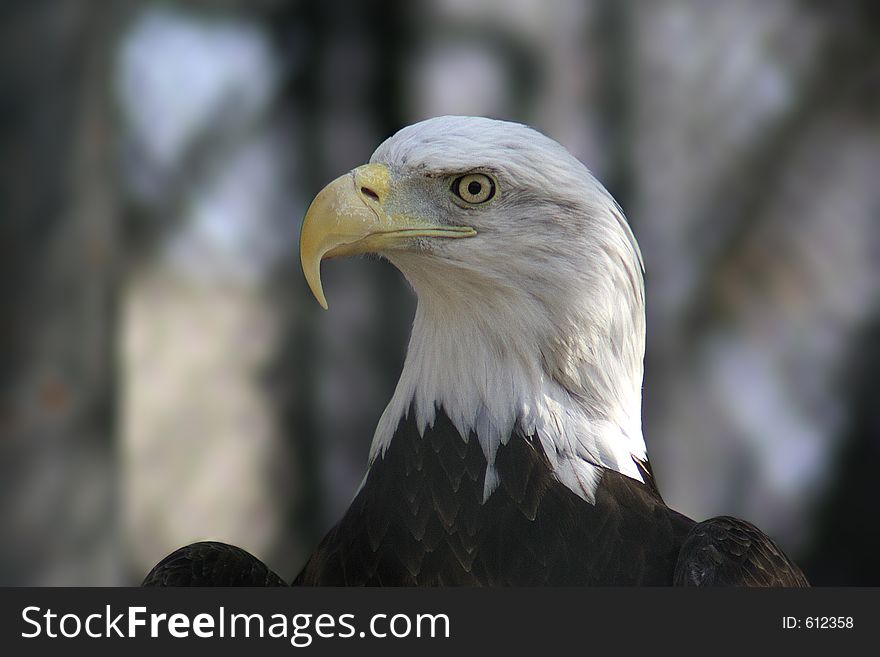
<point x="511" y="452"/>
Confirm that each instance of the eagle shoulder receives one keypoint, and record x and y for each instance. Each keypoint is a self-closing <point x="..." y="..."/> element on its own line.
<point x="210" y="563"/>
<point x="727" y="551"/>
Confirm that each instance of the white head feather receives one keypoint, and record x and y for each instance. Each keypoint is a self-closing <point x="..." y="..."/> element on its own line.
<point x="537" y="323"/>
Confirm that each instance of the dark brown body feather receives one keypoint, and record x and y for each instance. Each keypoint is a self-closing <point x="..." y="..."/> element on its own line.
<point x="420" y="520"/>
<point x="726" y="551"/>
<point x="211" y="564"/>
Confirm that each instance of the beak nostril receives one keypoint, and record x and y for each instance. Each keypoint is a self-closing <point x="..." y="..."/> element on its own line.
<point x="366" y="191"/>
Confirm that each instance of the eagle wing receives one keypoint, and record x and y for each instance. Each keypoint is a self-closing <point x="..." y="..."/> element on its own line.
<point x="726" y="551"/>
<point x="211" y="564"/>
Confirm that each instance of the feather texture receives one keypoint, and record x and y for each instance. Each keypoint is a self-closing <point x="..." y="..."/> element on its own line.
<point x="211" y="564"/>
<point x="420" y="519"/>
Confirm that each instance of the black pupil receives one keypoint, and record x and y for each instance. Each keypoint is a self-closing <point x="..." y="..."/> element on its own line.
<point x="474" y="188"/>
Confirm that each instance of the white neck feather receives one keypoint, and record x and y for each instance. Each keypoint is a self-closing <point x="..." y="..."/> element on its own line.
<point x="565" y="367"/>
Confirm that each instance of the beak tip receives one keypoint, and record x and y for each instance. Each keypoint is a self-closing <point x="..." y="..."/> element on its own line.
<point x="318" y="291"/>
<point x="313" y="280"/>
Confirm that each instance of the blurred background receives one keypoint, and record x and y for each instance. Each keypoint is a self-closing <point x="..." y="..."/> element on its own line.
<point x="166" y="377"/>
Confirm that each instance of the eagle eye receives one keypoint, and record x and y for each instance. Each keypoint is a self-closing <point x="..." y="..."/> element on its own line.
<point x="474" y="188"/>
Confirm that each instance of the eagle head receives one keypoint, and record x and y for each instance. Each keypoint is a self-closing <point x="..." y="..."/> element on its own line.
<point x="530" y="312"/>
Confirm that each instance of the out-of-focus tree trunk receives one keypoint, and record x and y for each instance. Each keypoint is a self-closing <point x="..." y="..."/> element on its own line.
<point x="845" y="545"/>
<point x="58" y="259"/>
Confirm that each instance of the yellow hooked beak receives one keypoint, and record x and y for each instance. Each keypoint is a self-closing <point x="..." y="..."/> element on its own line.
<point x="348" y="217"/>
